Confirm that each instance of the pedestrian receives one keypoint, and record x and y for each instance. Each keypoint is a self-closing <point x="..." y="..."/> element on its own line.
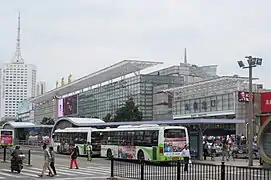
<point x="74" y="158"/>
<point x="224" y="149"/>
<point x="47" y="160"/>
<point x="205" y="150"/>
<point x="213" y="151"/>
<point x="52" y="163"/>
<point x="186" y="156"/>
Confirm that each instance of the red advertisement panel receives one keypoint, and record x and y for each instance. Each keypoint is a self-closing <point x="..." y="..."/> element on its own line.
<point x="6" y="139"/>
<point x="266" y="102"/>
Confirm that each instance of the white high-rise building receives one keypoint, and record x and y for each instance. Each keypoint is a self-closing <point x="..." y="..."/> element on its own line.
<point x="41" y="88"/>
<point x="17" y="82"/>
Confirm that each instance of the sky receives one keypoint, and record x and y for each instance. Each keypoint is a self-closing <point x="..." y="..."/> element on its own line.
<point x="84" y="36"/>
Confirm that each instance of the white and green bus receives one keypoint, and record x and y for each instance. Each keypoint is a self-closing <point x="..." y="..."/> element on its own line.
<point x="144" y="142"/>
<point x="81" y="137"/>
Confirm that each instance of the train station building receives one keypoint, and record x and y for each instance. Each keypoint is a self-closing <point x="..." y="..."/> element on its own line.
<point x="103" y="92"/>
<point x="220" y="98"/>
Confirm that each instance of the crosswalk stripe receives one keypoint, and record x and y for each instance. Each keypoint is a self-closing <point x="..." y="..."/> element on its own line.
<point x="8" y="173"/>
<point x="75" y="172"/>
<point x="61" y="173"/>
<point x="98" y="170"/>
<point x="28" y="173"/>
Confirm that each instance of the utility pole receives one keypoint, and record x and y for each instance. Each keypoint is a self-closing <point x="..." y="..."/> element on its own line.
<point x="252" y="62"/>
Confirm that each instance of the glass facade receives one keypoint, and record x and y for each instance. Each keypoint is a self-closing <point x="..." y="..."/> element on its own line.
<point x="100" y="101"/>
<point x="223" y="102"/>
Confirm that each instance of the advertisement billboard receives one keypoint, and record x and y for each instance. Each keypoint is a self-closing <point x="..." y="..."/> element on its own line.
<point x="60" y="108"/>
<point x="70" y="105"/>
<point x="266" y="102"/>
<point x="6" y="137"/>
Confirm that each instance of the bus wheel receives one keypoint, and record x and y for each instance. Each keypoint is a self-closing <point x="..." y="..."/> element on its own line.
<point x="109" y="154"/>
<point x="140" y="155"/>
<point x="58" y="150"/>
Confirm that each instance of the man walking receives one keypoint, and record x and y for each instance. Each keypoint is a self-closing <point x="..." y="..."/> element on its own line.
<point x="186" y="156"/>
<point x="52" y="163"/>
<point x="47" y="159"/>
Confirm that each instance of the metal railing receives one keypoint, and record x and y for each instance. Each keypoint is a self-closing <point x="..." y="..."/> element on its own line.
<point x="174" y="170"/>
<point x="31" y="145"/>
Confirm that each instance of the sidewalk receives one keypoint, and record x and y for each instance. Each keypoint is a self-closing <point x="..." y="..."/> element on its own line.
<point x="235" y="162"/>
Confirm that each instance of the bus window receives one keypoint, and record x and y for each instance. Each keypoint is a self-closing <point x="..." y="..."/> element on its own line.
<point x="175" y="133"/>
<point x="80" y="138"/>
<point x="104" y="138"/>
<point x="146" y="138"/>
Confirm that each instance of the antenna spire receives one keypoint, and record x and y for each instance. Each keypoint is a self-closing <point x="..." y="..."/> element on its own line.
<point x="18" y="57"/>
<point x="185" y="56"/>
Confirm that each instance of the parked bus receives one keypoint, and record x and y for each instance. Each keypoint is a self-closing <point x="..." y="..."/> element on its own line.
<point x="144" y="142"/>
<point x="6" y="137"/>
<point x="64" y="139"/>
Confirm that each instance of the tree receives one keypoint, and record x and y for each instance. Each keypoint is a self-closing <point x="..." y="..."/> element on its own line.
<point x="129" y="112"/>
<point x="48" y="121"/>
<point x="108" y="117"/>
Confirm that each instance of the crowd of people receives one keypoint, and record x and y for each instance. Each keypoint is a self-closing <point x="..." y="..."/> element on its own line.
<point x="224" y="145"/>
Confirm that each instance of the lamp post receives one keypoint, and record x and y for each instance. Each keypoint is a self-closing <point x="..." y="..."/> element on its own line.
<point x="252" y="62"/>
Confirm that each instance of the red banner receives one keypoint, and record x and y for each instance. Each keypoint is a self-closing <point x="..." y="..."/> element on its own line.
<point x="6" y="139"/>
<point x="266" y="102"/>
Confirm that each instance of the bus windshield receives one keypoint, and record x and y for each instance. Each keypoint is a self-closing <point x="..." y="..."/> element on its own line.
<point x="176" y="134"/>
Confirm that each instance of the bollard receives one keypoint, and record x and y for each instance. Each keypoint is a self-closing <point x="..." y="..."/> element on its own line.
<point x="223" y="176"/>
<point x="178" y="170"/>
<point x="29" y="158"/>
<point x="5" y="154"/>
<point x="142" y="170"/>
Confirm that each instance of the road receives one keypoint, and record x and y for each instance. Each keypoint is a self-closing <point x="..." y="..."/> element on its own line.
<point x="99" y="168"/>
<point x="96" y="169"/>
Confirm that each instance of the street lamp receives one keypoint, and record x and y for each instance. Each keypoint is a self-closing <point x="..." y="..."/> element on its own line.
<point x="252" y="62"/>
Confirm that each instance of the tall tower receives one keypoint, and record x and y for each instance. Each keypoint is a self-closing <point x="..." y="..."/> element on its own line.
<point x="185" y="67"/>
<point x="18" y="56"/>
<point x="185" y="56"/>
<point x="23" y="79"/>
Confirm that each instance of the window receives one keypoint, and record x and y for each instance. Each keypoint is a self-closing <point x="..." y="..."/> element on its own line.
<point x="79" y="138"/>
<point x="174" y="133"/>
<point x="131" y="138"/>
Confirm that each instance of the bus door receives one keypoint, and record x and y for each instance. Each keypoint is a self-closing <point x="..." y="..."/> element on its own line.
<point x="154" y="141"/>
<point x="154" y="153"/>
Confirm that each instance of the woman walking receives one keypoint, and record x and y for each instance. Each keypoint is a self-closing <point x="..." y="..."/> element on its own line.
<point x="74" y="158"/>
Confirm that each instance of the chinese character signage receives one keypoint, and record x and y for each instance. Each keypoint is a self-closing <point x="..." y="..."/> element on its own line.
<point x="243" y="96"/>
<point x="266" y="102"/>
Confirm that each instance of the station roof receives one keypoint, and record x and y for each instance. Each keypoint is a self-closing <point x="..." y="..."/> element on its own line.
<point x="82" y="121"/>
<point x="213" y="81"/>
<point x="23" y="125"/>
<point x="112" y="72"/>
<point x="184" y="121"/>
